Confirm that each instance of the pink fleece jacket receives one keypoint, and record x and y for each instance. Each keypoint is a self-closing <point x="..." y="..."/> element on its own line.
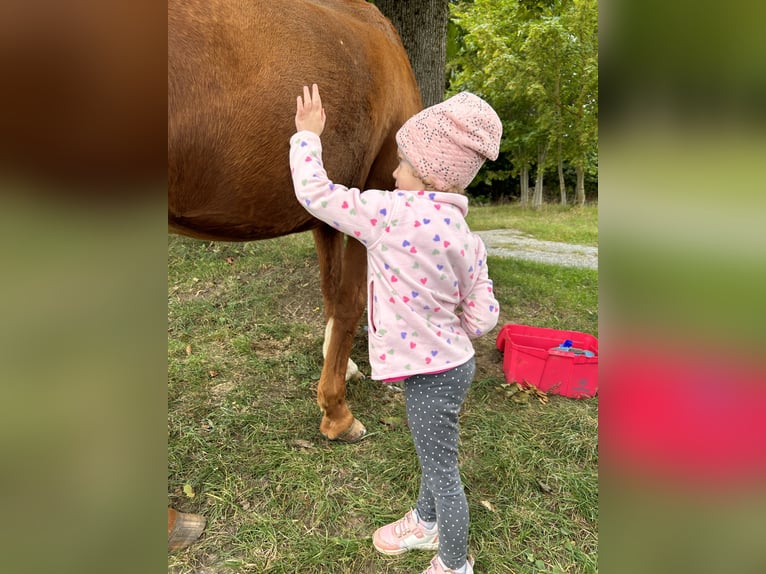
<point x="429" y="291"/>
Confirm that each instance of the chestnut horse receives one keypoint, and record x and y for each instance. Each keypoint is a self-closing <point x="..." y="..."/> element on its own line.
<point x="235" y="68"/>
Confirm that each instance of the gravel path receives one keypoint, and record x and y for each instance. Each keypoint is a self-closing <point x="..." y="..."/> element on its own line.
<point x="512" y="243"/>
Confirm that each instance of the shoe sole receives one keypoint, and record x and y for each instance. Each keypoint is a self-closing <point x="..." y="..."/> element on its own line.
<point x="400" y="551"/>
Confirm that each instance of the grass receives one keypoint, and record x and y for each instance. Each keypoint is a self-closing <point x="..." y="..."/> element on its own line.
<point x="549" y="223"/>
<point x="244" y="356"/>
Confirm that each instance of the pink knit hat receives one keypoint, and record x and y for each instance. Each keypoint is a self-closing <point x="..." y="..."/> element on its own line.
<point x="448" y="143"/>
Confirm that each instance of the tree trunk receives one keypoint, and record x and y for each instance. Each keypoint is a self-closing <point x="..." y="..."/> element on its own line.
<point x="562" y="185"/>
<point x="524" y="177"/>
<point x="542" y="152"/>
<point x="422" y="25"/>
<point x="537" y="198"/>
<point x="580" y="193"/>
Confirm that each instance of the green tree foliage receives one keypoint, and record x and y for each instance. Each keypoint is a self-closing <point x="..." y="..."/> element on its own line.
<point x="536" y="62"/>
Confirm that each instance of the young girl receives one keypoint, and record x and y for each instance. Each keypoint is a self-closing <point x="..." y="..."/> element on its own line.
<point x="429" y="293"/>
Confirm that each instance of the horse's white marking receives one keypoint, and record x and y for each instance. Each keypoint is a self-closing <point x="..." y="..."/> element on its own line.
<point x="352" y="369"/>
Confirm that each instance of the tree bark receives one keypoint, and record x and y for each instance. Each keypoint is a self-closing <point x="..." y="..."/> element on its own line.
<point x="422" y="25"/>
<point x="524" y="177"/>
<point x="542" y="152"/>
<point x="562" y="184"/>
<point x="580" y="193"/>
<point x="559" y="131"/>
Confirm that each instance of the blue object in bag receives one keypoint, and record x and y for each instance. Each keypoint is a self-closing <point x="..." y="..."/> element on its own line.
<point x="567" y="347"/>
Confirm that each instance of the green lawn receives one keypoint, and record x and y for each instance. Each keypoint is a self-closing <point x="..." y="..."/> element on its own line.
<point x="244" y="357"/>
<point x="549" y="223"/>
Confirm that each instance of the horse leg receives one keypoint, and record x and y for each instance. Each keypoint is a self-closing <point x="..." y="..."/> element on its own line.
<point x="352" y="370"/>
<point x="329" y="246"/>
<point x="343" y="276"/>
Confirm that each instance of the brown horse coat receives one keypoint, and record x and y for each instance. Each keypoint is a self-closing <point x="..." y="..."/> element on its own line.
<point x="235" y="68"/>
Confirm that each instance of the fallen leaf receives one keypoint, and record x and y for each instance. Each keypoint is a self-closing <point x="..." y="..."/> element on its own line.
<point x="213" y="374"/>
<point x="392" y="422"/>
<point x="189" y="491"/>
<point x="511" y="389"/>
<point x="521" y="393"/>
<point x="188" y="350"/>
<point x="488" y="505"/>
<point x="229" y="260"/>
<point x="540" y="395"/>
<point x="303" y="443"/>
<point x="544" y="487"/>
<point x="522" y="397"/>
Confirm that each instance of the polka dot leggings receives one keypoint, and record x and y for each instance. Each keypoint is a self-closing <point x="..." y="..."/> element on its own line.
<point x="433" y="404"/>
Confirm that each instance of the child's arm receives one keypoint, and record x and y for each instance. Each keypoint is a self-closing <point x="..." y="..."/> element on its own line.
<point x="480" y="309"/>
<point x="347" y="209"/>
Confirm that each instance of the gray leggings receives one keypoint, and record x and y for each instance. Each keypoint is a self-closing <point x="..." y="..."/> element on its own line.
<point x="433" y="404"/>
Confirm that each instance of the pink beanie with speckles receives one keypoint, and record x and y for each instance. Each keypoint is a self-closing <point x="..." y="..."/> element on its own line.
<point x="448" y="142"/>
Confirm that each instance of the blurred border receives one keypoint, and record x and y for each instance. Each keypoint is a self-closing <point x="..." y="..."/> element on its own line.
<point x="682" y="275"/>
<point x="83" y="291"/>
<point x="82" y="160"/>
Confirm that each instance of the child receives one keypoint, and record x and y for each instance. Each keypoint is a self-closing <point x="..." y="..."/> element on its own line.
<point x="429" y="293"/>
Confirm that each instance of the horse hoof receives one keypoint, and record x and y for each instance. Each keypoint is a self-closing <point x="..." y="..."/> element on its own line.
<point x="183" y="529"/>
<point x="353" y="434"/>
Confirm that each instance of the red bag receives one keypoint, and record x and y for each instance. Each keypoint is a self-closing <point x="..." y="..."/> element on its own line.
<point x="533" y="356"/>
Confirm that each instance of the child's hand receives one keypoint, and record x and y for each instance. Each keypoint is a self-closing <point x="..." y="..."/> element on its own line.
<point x="310" y="113"/>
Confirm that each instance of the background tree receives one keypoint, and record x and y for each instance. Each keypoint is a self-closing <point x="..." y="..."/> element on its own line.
<point x="535" y="61"/>
<point x="422" y="25"/>
<point x="489" y="63"/>
<point x="544" y="54"/>
<point x="582" y="109"/>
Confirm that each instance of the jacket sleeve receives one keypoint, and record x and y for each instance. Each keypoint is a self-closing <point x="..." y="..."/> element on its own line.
<point x="480" y="310"/>
<point x="359" y="214"/>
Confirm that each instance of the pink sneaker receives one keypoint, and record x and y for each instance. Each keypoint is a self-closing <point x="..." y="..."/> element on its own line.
<point x="405" y="534"/>
<point x="437" y="568"/>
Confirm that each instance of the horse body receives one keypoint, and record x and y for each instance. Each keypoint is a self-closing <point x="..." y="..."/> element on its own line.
<point x="235" y="68"/>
